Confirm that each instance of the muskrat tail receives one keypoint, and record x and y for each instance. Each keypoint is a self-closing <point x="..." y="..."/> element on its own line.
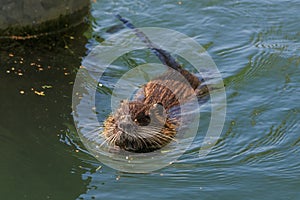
<point x="164" y="56"/>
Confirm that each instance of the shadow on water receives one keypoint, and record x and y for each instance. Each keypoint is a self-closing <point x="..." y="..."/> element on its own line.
<point x="36" y="79"/>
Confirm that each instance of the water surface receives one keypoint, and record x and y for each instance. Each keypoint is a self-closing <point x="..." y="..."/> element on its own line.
<point x="255" y="45"/>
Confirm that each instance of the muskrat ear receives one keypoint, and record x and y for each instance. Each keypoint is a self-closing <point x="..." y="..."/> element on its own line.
<point x="158" y="107"/>
<point x="158" y="112"/>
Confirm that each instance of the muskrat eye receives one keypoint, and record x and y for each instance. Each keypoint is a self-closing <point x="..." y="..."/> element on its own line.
<point x="142" y="120"/>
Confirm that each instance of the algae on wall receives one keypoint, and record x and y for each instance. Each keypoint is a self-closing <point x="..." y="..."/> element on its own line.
<point x="30" y="17"/>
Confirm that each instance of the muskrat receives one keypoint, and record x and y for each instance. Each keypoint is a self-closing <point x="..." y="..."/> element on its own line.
<point x="150" y="121"/>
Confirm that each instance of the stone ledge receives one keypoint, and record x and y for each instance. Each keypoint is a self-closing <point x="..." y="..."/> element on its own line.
<point x="46" y="18"/>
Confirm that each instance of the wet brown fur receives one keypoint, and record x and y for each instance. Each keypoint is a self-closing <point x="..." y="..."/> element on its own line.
<point x="144" y="110"/>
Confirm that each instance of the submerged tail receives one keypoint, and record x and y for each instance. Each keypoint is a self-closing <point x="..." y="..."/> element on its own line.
<point x="164" y="56"/>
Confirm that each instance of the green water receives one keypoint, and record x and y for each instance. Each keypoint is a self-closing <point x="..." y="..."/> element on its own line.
<point x="256" y="47"/>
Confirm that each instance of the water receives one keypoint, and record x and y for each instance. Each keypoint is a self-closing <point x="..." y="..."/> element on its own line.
<point x="255" y="46"/>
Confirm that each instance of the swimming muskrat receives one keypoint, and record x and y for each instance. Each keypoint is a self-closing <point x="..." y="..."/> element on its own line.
<point x="150" y="121"/>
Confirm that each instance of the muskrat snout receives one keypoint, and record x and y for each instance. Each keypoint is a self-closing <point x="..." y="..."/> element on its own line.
<point x="126" y="142"/>
<point x="126" y="126"/>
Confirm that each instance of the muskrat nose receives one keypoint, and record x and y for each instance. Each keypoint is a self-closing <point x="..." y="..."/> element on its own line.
<point x="126" y="126"/>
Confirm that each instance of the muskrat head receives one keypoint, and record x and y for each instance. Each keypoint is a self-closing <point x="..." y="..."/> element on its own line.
<point x="138" y="128"/>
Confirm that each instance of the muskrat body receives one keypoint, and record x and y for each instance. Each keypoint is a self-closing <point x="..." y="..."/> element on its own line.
<point x="150" y="121"/>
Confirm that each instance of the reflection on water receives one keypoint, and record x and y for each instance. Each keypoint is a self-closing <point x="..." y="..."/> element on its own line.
<point x="36" y="85"/>
<point x="255" y="45"/>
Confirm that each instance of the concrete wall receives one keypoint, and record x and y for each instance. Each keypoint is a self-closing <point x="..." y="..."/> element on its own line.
<point x="17" y="14"/>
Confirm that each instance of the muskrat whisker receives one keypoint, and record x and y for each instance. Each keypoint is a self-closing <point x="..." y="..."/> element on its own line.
<point x="165" y="137"/>
<point x="140" y="138"/>
<point x="104" y="142"/>
<point x="155" y="141"/>
<point x="152" y="128"/>
<point x="158" y="137"/>
<point x="107" y="140"/>
<point x="157" y="131"/>
<point x="144" y="137"/>
<point x="93" y="123"/>
<point x="141" y="142"/>
<point x="116" y="136"/>
<point x="95" y="130"/>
